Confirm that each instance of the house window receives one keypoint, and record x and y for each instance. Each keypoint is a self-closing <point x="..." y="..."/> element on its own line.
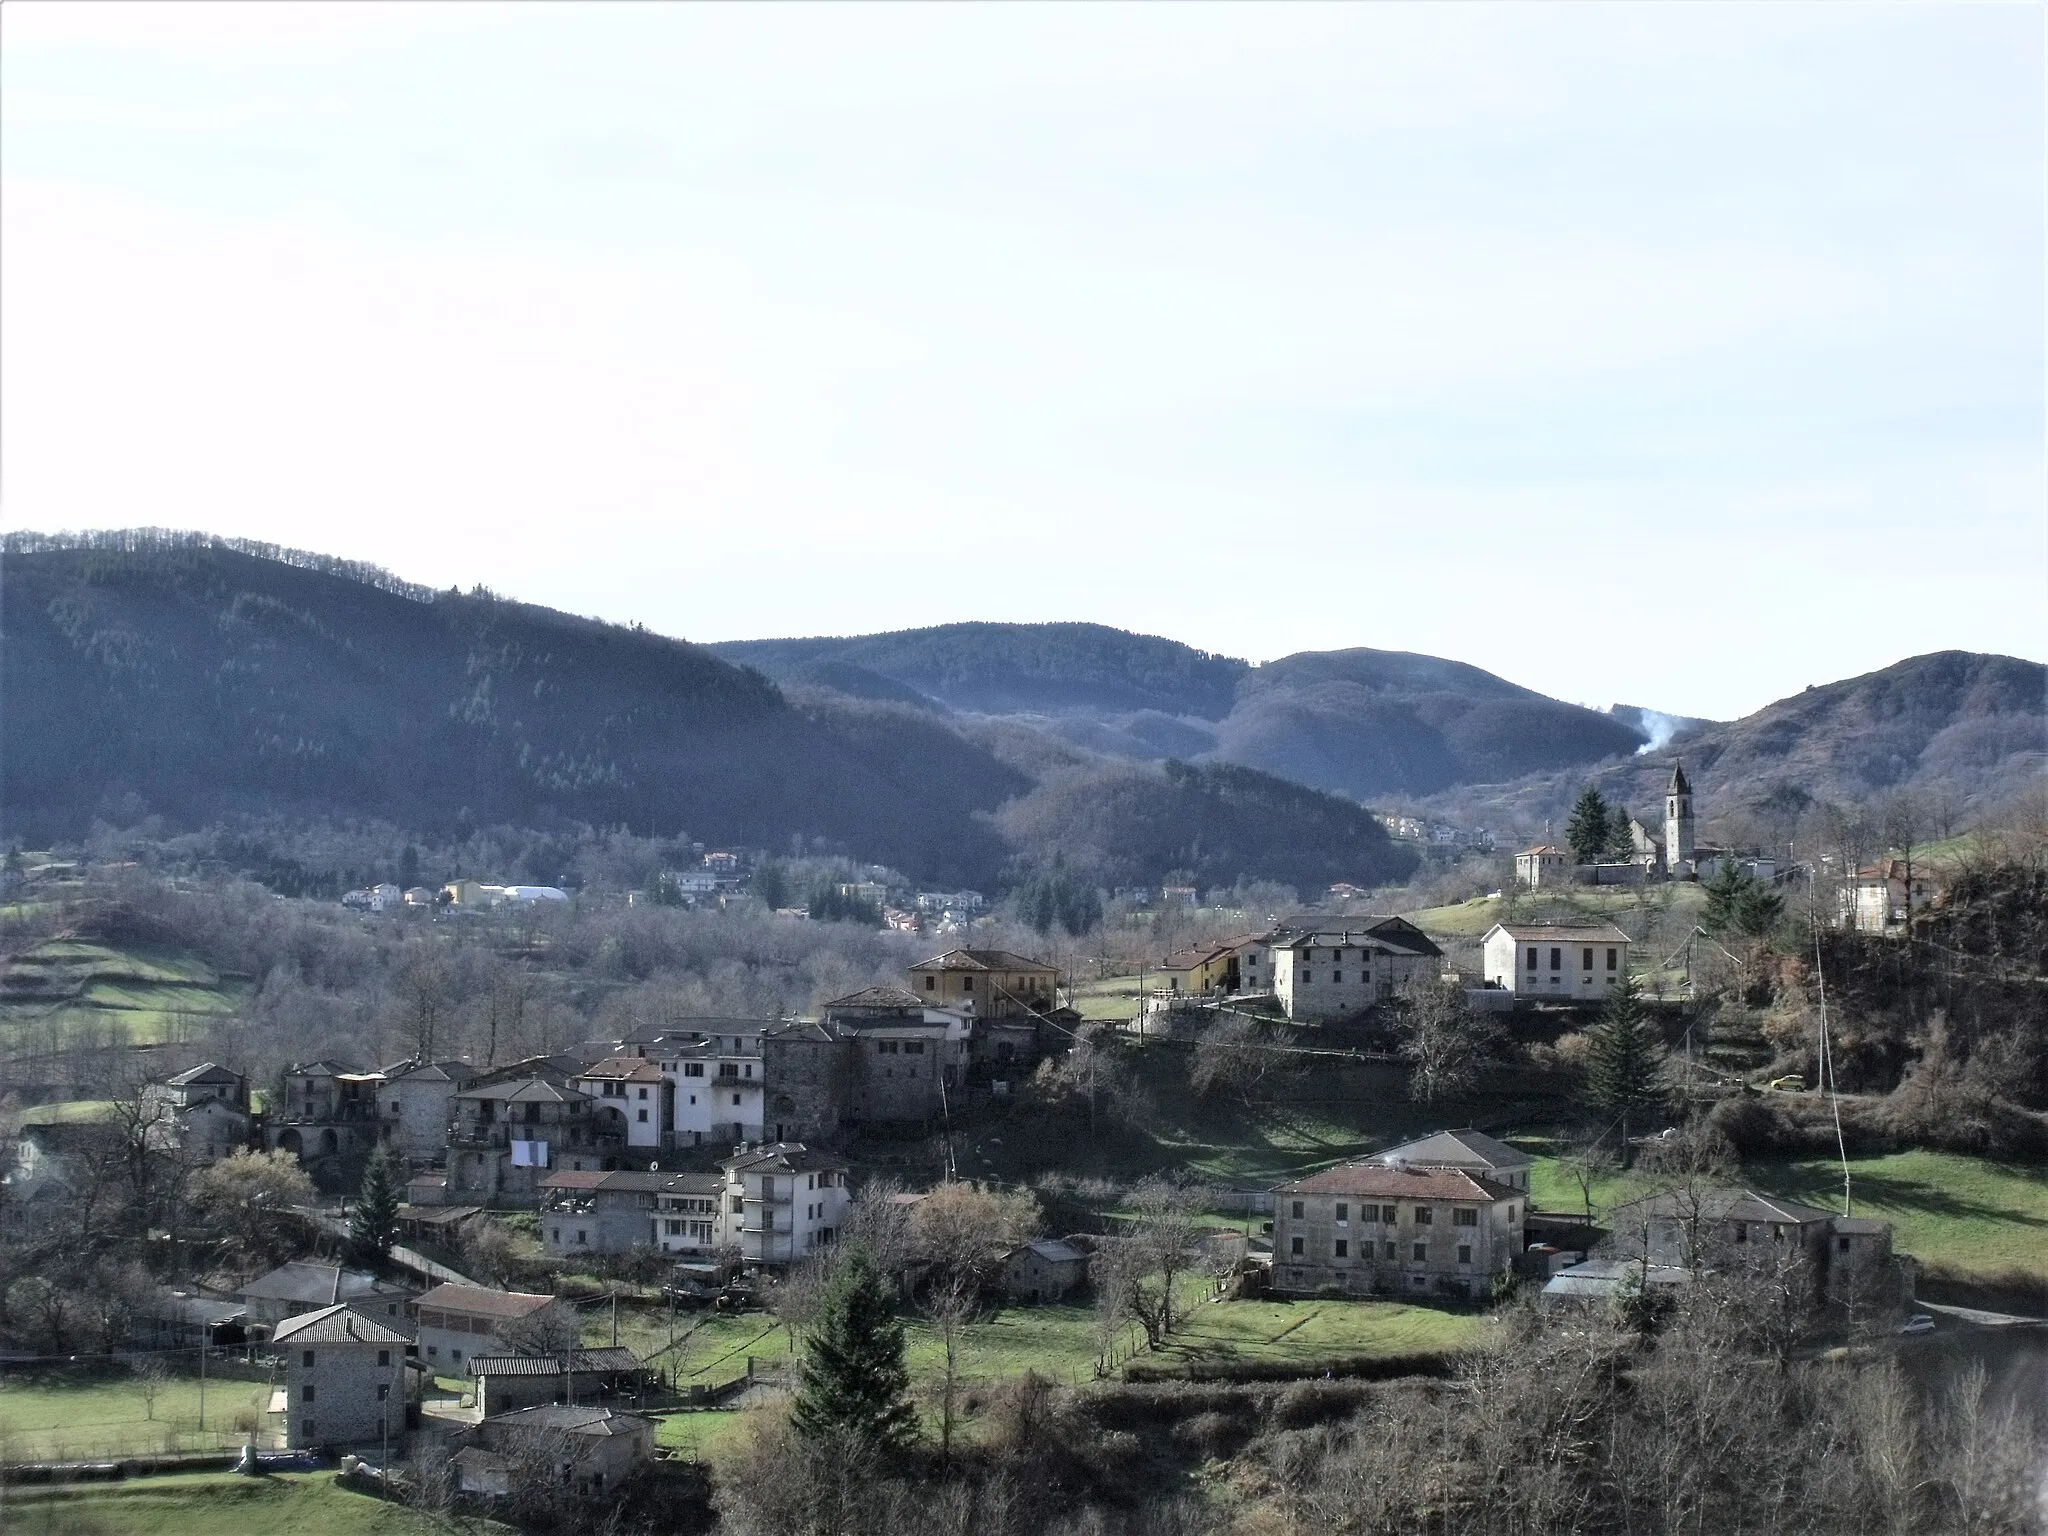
<point x="1294" y="1247"/>
<point x="1424" y="1215"/>
<point x="1297" y="1217"/>
<point x="554" y="1234"/>
<point x="1343" y="1212"/>
<point x="305" y="1429"/>
<point x="739" y="1205"/>
<point x="1390" y="1214"/>
<point x="1464" y="1218"/>
<point x="1343" y="1248"/>
<point x="583" y="1235"/>
<point x="1421" y="1253"/>
<point x="693" y="1069"/>
<point x="966" y="983"/>
<point x="306" y="1393"/>
<point x="643" y="1117"/>
<point x="306" y="1359"/>
<point x="384" y="1357"/>
<point x="456" y="1354"/>
<point x="1841" y="1245"/>
<point x="383" y="1391"/>
<point x="1387" y="1250"/>
<point x="1556" y="959"/>
<point x="1307" y="977"/>
<point x="1587" y="963"/>
<point x="1336" y="976"/>
<point x="931" y="983"/>
<point x="735" y="1098"/>
<point x="1611" y="957"/>
<point x="1464" y="1253"/>
<point x="1742" y="1231"/>
<point x="1532" y="957"/>
<point x="1777" y="1232"/>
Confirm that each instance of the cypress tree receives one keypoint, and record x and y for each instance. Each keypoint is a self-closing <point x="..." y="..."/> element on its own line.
<point x="853" y="1380"/>
<point x="373" y="1224"/>
<point x="1588" y="830"/>
<point x="1625" y="1069"/>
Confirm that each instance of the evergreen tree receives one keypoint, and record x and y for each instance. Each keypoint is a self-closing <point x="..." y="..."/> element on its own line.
<point x="1738" y="902"/>
<point x="1625" y="1068"/>
<point x="771" y="885"/>
<point x="1588" y="830"/>
<point x="373" y="1224"/>
<point x="853" y="1380"/>
<point x="1621" y="843"/>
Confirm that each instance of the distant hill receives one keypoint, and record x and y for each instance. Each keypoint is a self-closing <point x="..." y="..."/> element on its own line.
<point x="1363" y="723"/>
<point x="201" y="682"/>
<point x="1954" y="726"/>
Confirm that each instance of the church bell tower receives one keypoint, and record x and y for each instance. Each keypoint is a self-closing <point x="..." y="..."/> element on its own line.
<point x="1678" y="824"/>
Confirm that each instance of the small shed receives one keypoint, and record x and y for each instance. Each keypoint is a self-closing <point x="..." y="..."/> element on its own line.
<point x="507" y="1383"/>
<point x="1044" y="1269"/>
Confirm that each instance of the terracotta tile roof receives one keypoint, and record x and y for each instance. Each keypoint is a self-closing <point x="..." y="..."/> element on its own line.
<point x="334" y="1325"/>
<point x="612" y="1359"/>
<point x="1377" y="1180"/>
<point x="981" y="960"/>
<point x="478" y="1302"/>
<point x="877" y="997"/>
<point x="783" y="1157"/>
<point x="628" y="1069"/>
<point x="1561" y="933"/>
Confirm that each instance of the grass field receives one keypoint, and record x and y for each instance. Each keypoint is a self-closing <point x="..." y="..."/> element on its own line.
<point x="1113" y="998"/>
<point x="77" y="1418"/>
<point x="214" y="1504"/>
<point x="1306" y="1332"/>
<point x="154" y="994"/>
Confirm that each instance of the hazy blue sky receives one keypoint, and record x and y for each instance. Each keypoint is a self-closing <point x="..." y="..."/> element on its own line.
<point x="1681" y="355"/>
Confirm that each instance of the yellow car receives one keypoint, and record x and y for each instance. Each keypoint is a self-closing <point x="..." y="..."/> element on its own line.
<point x="1791" y="1084"/>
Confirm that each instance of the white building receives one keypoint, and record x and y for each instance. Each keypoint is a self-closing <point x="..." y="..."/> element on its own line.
<point x="344" y="1379"/>
<point x="634" y="1099"/>
<point x="781" y="1202"/>
<point x="685" y="1214"/>
<point x="718" y="1083"/>
<point x="1332" y="973"/>
<point x="1556" y="962"/>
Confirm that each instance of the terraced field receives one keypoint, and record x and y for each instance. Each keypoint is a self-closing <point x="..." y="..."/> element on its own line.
<point x="77" y="986"/>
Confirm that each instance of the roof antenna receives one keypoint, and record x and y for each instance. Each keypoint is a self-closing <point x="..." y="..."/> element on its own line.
<point x="1827" y="1073"/>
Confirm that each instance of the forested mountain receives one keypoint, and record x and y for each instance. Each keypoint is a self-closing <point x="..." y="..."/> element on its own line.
<point x="1961" y="731"/>
<point x="202" y="682"/>
<point x="1359" y="722"/>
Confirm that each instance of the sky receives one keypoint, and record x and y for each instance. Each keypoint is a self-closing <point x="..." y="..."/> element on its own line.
<point x="1673" y="355"/>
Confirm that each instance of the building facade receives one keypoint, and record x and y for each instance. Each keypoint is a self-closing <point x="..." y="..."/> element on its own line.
<point x="989" y="983"/>
<point x="457" y="1322"/>
<point x="343" y="1379"/>
<point x="1328" y="974"/>
<point x="1556" y="962"/>
<point x="1395" y="1229"/>
<point x="781" y="1203"/>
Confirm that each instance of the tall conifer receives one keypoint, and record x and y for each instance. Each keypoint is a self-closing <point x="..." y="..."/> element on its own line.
<point x="1625" y="1070"/>
<point x="373" y="1224"/>
<point x="853" y="1381"/>
<point x="1588" y="830"/>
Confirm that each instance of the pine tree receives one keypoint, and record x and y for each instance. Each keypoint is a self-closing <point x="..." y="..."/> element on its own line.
<point x="853" y="1381"/>
<point x="1625" y="1069"/>
<point x="1738" y="902"/>
<point x="373" y="1224"/>
<point x="1621" y="842"/>
<point x="1587" y="832"/>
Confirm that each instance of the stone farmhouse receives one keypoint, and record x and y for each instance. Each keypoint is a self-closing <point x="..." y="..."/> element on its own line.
<point x="585" y="1449"/>
<point x="1556" y="962"/>
<point x="1324" y="974"/>
<point x="1880" y="898"/>
<point x="1044" y="1269"/>
<point x="989" y="983"/>
<point x="507" y="1383"/>
<point x="1720" y="1227"/>
<point x="203" y="1112"/>
<point x="597" y="1212"/>
<point x="1543" y="866"/>
<point x="1390" y="1227"/>
<point x="343" y="1379"/>
<point x="306" y="1285"/>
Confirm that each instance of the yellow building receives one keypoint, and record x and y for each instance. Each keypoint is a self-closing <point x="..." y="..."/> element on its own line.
<point x="993" y="983"/>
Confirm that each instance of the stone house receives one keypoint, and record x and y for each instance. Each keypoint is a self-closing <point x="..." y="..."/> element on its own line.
<point x="328" y="1117"/>
<point x="1556" y="962"/>
<point x="306" y="1285"/>
<point x="808" y="1070"/>
<point x="204" y="1112"/>
<point x="989" y="983"/>
<point x="1044" y="1269"/>
<point x="1718" y="1227"/>
<point x="343" y="1378"/>
<point x="1394" y="1229"/>
<point x="685" y="1218"/>
<point x="780" y="1203"/>
<point x="418" y="1102"/>
<point x="505" y="1137"/>
<point x="908" y="1059"/>
<point x="588" y="1449"/>
<point x="1543" y="866"/>
<point x="1325" y="974"/>
<point x="1880" y="898"/>
<point x="456" y="1322"/>
<point x="596" y="1211"/>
